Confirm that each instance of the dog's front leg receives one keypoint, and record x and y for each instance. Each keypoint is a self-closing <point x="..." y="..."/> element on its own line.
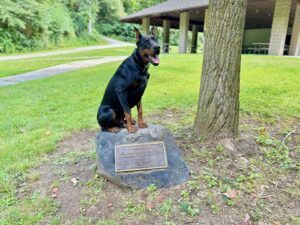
<point x="130" y="127"/>
<point x="141" y="122"/>
<point x="122" y="96"/>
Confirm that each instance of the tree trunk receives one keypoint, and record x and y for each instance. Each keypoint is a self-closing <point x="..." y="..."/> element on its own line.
<point x="218" y="106"/>
<point x="90" y="25"/>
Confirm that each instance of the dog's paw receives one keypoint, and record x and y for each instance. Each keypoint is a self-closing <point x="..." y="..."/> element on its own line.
<point x="132" y="129"/>
<point x="133" y="122"/>
<point x="113" y="129"/>
<point x="143" y="125"/>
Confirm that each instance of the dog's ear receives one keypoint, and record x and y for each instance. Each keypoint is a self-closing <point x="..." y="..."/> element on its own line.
<point x="137" y="34"/>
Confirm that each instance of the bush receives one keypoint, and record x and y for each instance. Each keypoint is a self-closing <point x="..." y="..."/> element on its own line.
<point x="33" y="24"/>
<point x="123" y="31"/>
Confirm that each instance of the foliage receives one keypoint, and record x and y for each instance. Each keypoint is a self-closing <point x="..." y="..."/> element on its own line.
<point x="151" y="188"/>
<point x="55" y="23"/>
<point x="134" y="209"/>
<point x="188" y="209"/>
<point x="124" y="32"/>
<point x="110" y="11"/>
<point x="166" y="207"/>
<point x="13" y="19"/>
<point x="83" y="13"/>
<point x="275" y="152"/>
<point x="34" y="24"/>
<point x="131" y="6"/>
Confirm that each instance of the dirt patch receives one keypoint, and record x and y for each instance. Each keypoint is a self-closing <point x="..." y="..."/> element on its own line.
<point x="53" y="178"/>
<point x="250" y="180"/>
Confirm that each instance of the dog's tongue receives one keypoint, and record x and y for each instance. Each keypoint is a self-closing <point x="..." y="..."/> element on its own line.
<point x="155" y="59"/>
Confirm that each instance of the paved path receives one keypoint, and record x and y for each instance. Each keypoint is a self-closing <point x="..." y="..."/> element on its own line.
<point x="56" y="70"/>
<point x="112" y="44"/>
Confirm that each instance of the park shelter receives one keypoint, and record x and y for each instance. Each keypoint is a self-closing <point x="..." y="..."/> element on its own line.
<point x="275" y="23"/>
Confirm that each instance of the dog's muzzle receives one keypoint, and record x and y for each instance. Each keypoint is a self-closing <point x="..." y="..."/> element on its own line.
<point x="154" y="59"/>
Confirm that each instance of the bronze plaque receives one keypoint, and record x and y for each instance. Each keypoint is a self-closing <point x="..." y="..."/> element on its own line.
<point x="146" y="156"/>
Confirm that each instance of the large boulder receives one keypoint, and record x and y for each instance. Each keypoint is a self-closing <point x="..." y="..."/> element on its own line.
<point x="176" y="173"/>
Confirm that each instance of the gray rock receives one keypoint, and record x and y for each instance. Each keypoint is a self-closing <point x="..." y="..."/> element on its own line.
<point x="176" y="173"/>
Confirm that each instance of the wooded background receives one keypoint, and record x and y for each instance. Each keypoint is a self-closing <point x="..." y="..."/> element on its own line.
<point x="42" y="24"/>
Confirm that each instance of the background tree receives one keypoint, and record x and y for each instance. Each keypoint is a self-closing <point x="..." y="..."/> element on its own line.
<point x="88" y="9"/>
<point x="147" y="3"/>
<point x="218" y="107"/>
<point x="110" y="11"/>
<point x="38" y="24"/>
<point x="131" y="6"/>
<point x="13" y="21"/>
<point x="54" y="22"/>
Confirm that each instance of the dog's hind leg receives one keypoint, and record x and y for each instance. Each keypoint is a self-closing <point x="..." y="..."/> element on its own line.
<point x="106" y="118"/>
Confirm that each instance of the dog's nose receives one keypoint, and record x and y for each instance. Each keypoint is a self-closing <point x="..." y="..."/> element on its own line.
<point x="156" y="49"/>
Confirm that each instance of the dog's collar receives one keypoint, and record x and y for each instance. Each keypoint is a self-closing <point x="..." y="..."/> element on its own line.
<point x="138" y="60"/>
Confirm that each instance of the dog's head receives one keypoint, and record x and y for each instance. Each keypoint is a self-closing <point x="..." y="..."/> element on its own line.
<point x="148" y="47"/>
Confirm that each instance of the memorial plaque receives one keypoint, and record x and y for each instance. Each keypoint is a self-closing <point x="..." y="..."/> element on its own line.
<point x="135" y="157"/>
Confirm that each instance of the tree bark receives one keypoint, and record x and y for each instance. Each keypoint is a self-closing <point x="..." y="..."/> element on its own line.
<point x="218" y="105"/>
<point x="90" y="25"/>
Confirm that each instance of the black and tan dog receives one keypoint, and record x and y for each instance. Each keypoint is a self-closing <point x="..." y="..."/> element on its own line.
<point x="127" y="86"/>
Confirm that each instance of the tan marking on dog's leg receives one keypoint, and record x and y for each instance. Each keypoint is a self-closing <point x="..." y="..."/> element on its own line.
<point x="131" y="128"/>
<point x="141" y="122"/>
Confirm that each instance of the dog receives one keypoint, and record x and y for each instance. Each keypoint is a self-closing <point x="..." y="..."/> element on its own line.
<point x="127" y="86"/>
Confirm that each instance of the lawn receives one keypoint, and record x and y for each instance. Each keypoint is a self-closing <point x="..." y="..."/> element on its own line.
<point x="9" y="68"/>
<point x="36" y="115"/>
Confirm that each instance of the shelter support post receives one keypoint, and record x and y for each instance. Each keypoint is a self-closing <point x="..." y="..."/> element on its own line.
<point x="166" y="36"/>
<point x="183" y="31"/>
<point x="195" y="30"/>
<point x="279" y="27"/>
<point x="295" y="41"/>
<point x="146" y="25"/>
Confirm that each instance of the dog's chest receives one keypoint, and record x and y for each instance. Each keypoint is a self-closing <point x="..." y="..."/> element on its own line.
<point x="139" y="84"/>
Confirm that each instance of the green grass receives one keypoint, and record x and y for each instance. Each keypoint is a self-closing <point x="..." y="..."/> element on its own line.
<point x="270" y="85"/>
<point x="9" y="68"/>
<point x="36" y="115"/>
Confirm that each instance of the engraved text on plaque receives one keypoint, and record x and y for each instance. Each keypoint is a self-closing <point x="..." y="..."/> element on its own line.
<point x="146" y="156"/>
